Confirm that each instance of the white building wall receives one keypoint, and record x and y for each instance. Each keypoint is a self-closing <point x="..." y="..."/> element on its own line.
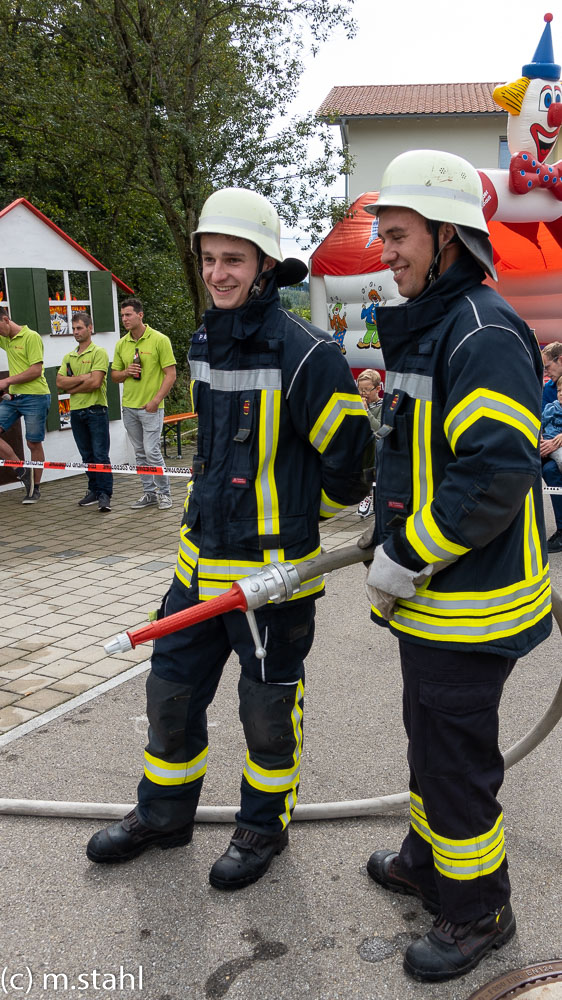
<point x="374" y="142"/>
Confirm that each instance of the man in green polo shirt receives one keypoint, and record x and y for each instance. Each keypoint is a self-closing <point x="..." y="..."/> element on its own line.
<point x="25" y="394"/>
<point x="144" y="361"/>
<point x="89" y="417"/>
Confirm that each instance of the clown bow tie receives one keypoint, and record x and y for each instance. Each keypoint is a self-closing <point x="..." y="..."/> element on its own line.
<point x="525" y="173"/>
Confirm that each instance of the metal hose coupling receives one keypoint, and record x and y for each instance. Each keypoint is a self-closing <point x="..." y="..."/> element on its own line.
<point x="276" y="582"/>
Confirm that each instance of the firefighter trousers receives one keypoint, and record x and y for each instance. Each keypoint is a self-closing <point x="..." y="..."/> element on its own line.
<point x="455" y="844"/>
<point x="186" y="669"/>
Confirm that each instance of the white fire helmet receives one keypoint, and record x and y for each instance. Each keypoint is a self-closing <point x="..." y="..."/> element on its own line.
<point x="442" y="187"/>
<point x="242" y="213"/>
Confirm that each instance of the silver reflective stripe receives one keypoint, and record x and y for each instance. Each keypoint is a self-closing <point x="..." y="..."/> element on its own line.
<point x="200" y="370"/>
<point x="451" y="194"/>
<point x="484" y="603"/>
<point x="497" y="626"/>
<point x="531" y="547"/>
<point x="423" y="455"/>
<point x="239" y="223"/>
<point x="423" y="534"/>
<point x="271" y="781"/>
<point x="484" y="402"/>
<point x="268" y="507"/>
<point x="236" y="381"/>
<point x="416" y="386"/>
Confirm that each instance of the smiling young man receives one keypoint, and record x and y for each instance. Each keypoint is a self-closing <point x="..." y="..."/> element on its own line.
<point x="460" y="570"/>
<point x="283" y="440"/>
<point x="83" y="374"/>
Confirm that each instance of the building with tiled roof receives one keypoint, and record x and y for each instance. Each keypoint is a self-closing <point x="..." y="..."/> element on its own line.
<point x="379" y="122"/>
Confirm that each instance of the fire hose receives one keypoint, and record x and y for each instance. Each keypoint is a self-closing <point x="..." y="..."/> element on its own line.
<point x="275" y="582"/>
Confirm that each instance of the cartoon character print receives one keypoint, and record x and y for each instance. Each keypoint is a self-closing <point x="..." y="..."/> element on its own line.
<point x="369" y="314"/>
<point x="338" y="323"/>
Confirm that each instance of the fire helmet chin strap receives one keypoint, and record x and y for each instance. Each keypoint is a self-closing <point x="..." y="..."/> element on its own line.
<point x="255" y="290"/>
<point x="433" y="273"/>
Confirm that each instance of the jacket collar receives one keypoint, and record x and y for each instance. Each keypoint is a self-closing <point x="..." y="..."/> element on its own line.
<point x="246" y="320"/>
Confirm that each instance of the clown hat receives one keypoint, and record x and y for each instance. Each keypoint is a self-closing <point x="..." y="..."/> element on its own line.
<point x="543" y="66"/>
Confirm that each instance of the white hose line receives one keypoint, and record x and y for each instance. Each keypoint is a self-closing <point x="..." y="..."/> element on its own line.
<point x="379" y="806"/>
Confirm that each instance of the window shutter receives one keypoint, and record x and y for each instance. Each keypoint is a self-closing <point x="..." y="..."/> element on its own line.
<point x="101" y="286"/>
<point x="113" y="398"/>
<point x="53" y="419"/>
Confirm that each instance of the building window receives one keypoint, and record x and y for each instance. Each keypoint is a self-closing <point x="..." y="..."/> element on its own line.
<point x="69" y="293"/>
<point x="504" y="155"/>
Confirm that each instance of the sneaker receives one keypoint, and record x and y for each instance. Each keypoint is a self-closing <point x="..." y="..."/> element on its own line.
<point x="554" y="543"/>
<point x="366" y="506"/>
<point x="25" y="477"/>
<point x="88" y="500"/>
<point x="104" y="503"/>
<point x="450" y="950"/>
<point x="147" y="500"/>
<point x="164" y="501"/>
<point x="126" y="840"/>
<point x="384" y="868"/>
<point x="246" y="859"/>
<point x="32" y="497"/>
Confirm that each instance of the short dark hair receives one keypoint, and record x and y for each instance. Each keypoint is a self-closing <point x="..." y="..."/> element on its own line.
<point x="4" y="314"/>
<point x="133" y="303"/>
<point x="83" y="317"/>
<point x="552" y="351"/>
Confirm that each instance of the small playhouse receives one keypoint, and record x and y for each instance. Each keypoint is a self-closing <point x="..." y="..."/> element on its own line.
<point x="523" y="208"/>
<point x="45" y="277"/>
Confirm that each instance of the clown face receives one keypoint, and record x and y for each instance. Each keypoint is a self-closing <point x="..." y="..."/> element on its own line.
<point x="535" y="129"/>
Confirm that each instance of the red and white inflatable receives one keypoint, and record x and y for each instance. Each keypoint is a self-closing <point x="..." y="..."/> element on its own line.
<point x="523" y="208"/>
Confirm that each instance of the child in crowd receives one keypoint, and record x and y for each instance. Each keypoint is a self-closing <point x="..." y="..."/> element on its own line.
<point x="552" y="422"/>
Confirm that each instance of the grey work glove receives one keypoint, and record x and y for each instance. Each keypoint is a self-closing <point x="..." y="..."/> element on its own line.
<point x="387" y="580"/>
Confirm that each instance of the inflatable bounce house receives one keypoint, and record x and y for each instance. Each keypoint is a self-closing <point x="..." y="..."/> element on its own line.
<point x="523" y="208"/>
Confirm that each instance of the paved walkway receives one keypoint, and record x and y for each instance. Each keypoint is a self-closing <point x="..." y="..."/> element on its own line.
<point x="72" y="578"/>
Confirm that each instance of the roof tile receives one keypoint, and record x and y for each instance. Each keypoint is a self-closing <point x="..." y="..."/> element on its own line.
<point x="410" y="99"/>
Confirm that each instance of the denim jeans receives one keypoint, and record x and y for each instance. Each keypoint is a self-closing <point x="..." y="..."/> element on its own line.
<point x="144" y="430"/>
<point x="90" y="427"/>
<point x="553" y="477"/>
<point x="32" y="408"/>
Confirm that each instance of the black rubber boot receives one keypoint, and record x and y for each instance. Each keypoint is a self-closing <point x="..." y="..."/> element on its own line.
<point x="129" y="838"/>
<point x="246" y="859"/>
<point x="450" y="950"/>
<point x="384" y="868"/>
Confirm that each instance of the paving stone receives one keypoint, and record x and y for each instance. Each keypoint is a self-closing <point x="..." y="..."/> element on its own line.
<point x="60" y="668"/>
<point x="46" y="655"/>
<point x="11" y="673"/>
<point x="13" y="620"/>
<point x="71" y="642"/>
<point x="68" y="554"/>
<point x="11" y="717"/>
<point x="11" y="653"/>
<point x="27" y="684"/>
<point x="111" y="666"/>
<point x="29" y="548"/>
<point x="77" y="683"/>
<point x="42" y="701"/>
<point x="53" y="618"/>
<point x="18" y="632"/>
<point x="7" y="698"/>
<point x="111" y="560"/>
<point x="90" y="654"/>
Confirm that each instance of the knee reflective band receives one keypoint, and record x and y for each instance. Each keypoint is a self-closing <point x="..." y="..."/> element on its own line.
<point x="379" y="806"/>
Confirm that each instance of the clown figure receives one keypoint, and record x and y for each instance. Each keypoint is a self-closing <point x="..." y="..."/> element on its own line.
<point x="369" y="314"/>
<point x="534" y="106"/>
<point x="338" y="323"/>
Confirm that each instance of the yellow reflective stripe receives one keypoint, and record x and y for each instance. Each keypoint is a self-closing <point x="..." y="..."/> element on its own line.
<point x="428" y="540"/>
<point x="187" y="557"/>
<point x="339" y="406"/>
<point x="532" y="553"/>
<point x="161" y="772"/>
<point x="329" y="507"/>
<point x="266" y="489"/>
<point x="478" y="604"/>
<point x="422" y="468"/>
<point x="296" y="719"/>
<point x="495" y="406"/>
<point x="464" y="859"/>
<point x="476" y="629"/>
<point x="290" y="803"/>
<point x="273" y="781"/>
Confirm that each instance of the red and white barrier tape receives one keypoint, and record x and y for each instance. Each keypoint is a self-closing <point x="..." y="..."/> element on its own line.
<point x="126" y="470"/>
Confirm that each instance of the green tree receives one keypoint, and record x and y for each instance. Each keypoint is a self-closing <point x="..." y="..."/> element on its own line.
<point x="112" y="108"/>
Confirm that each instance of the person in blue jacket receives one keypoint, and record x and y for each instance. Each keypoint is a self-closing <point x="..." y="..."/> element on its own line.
<point x="552" y="360"/>
<point x="283" y="441"/>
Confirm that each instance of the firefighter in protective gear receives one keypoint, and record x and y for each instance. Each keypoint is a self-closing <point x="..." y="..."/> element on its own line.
<point x="283" y="441"/>
<point x="460" y="573"/>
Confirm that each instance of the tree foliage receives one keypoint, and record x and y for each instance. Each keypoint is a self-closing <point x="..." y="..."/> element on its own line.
<point x="121" y="116"/>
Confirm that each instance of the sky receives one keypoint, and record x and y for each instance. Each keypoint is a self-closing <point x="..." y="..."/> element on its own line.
<point x="415" y="42"/>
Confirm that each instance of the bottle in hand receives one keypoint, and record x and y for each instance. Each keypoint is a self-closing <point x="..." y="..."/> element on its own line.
<point x="137" y="361"/>
<point x="69" y="369"/>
